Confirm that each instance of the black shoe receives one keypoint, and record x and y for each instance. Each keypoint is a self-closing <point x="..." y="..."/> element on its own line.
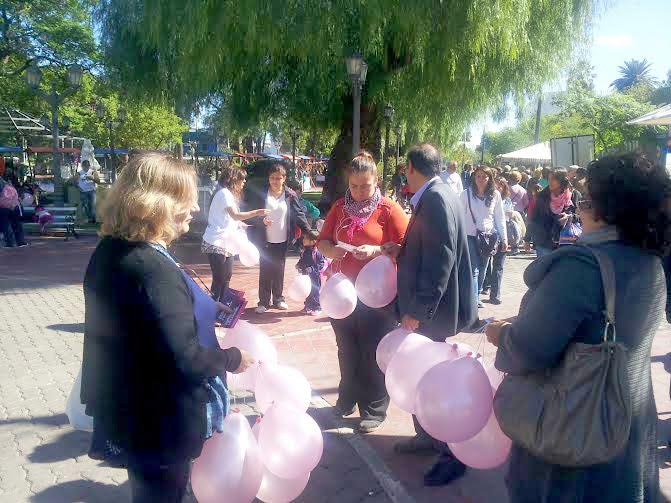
<point x="446" y="470"/>
<point x="343" y="411"/>
<point x="419" y="444"/>
<point x="23" y="245"/>
<point x="369" y="425"/>
<point x="496" y="302"/>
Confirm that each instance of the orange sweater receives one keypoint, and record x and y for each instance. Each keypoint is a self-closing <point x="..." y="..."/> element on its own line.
<point x="387" y="224"/>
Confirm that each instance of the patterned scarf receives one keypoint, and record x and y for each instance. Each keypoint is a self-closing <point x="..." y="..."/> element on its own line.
<point x="360" y="212"/>
<point x="563" y="200"/>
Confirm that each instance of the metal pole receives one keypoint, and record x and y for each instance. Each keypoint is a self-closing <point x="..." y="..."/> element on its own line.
<point x="482" y="147"/>
<point x="356" y="117"/>
<point x="55" y="161"/>
<point x="385" y="160"/>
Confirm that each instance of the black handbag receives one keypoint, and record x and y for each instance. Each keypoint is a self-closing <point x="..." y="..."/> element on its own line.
<point x="488" y="242"/>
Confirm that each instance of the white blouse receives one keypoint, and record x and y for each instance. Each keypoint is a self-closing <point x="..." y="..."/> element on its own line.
<point x="487" y="218"/>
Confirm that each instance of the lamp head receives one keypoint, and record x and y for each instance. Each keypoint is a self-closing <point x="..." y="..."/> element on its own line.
<point x="75" y="75"/>
<point x="388" y="111"/>
<point x="354" y="63"/>
<point x="33" y="76"/>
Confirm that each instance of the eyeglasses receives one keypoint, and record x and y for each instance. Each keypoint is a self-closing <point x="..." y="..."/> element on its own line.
<point x="585" y="204"/>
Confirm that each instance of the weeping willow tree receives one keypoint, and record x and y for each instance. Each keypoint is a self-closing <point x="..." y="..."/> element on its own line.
<point x="440" y="63"/>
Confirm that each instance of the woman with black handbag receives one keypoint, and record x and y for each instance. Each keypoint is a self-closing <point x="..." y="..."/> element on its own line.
<point x="601" y="303"/>
<point x="485" y="224"/>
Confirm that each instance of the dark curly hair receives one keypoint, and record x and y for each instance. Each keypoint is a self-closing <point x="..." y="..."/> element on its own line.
<point x="230" y="175"/>
<point x="633" y="194"/>
<point x="490" y="189"/>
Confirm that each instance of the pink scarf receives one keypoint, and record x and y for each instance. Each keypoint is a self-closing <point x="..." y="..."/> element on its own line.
<point x="360" y="212"/>
<point x="563" y="200"/>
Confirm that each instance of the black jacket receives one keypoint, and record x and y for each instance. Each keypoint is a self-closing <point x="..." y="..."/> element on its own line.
<point x="143" y="368"/>
<point x="256" y="199"/>
<point x="435" y="283"/>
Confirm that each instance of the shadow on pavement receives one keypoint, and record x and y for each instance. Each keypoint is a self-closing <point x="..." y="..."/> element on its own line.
<point x="85" y="491"/>
<point x="72" y="444"/>
<point x="57" y="420"/>
<point x="665" y="359"/>
<point x="73" y="328"/>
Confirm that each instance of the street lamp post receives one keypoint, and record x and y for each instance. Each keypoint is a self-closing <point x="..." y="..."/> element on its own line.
<point x="397" y="131"/>
<point x="111" y="124"/>
<point x="33" y="79"/>
<point x="357" y="70"/>
<point x="388" y="114"/>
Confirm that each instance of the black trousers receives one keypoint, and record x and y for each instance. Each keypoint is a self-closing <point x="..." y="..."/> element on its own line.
<point x="11" y="219"/>
<point x="222" y="270"/>
<point x="271" y="273"/>
<point x="494" y="276"/>
<point x="151" y="483"/>
<point x="361" y="380"/>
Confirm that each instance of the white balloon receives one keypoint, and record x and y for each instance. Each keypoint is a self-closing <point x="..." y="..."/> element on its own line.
<point x="376" y="283"/>
<point x="338" y="297"/>
<point x="300" y="288"/>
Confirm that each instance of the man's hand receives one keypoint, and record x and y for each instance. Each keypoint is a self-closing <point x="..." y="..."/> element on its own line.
<point x="493" y="331"/>
<point x="365" y="252"/>
<point x="246" y="361"/>
<point x="527" y="247"/>
<point x="391" y="250"/>
<point x="504" y="246"/>
<point x="409" y="323"/>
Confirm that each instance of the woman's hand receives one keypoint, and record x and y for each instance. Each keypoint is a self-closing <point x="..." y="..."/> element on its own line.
<point x="563" y="218"/>
<point x="493" y="331"/>
<point x="338" y="253"/>
<point x="365" y="252"/>
<point x="223" y="308"/>
<point x="267" y="221"/>
<point x="260" y="212"/>
<point x="504" y="246"/>
<point x="246" y="361"/>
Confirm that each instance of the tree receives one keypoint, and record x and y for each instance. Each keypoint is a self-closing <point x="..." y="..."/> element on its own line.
<point x="634" y="72"/>
<point x="58" y="32"/>
<point x="439" y="63"/>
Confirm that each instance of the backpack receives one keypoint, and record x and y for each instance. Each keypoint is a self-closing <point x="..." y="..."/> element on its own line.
<point x="9" y="198"/>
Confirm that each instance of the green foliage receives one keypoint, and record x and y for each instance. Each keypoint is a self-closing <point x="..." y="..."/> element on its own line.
<point x="59" y="32"/>
<point x="439" y="63"/>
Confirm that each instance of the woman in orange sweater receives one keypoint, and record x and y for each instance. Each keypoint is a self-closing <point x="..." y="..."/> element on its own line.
<point x="364" y="219"/>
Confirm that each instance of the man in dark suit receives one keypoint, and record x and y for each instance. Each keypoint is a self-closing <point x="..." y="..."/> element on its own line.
<point x="435" y="289"/>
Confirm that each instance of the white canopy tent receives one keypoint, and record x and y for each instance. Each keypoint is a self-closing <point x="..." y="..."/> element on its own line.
<point x="540" y="152"/>
<point x="659" y="117"/>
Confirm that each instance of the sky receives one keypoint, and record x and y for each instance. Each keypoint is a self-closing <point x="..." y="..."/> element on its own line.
<point x="624" y="30"/>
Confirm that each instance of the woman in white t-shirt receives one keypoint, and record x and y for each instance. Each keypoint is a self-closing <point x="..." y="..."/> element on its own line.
<point x="222" y="222"/>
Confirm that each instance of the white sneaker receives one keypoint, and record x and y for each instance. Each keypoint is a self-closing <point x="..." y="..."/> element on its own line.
<point x="282" y="306"/>
<point x="261" y="309"/>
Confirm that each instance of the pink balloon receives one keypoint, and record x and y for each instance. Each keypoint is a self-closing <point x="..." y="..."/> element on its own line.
<point x="414" y="357"/>
<point x="300" y="288"/>
<point x="488" y="449"/>
<point x="244" y="381"/>
<point x="338" y="297"/>
<point x="388" y="346"/>
<point x="291" y="441"/>
<point x="249" y="254"/>
<point x="230" y="464"/>
<point x="252" y="339"/>
<point x="376" y="283"/>
<point x="454" y="400"/>
<point x="278" y="490"/>
<point x="495" y="377"/>
<point x="280" y="384"/>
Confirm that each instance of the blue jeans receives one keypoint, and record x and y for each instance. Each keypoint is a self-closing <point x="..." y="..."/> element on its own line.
<point x="88" y="201"/>
<point x="541" y="252"/>
<point x="477" y="266"/>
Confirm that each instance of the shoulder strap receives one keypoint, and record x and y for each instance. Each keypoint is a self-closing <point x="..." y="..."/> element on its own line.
<point x="471" y="209"/>
<point x="608" y="280"/>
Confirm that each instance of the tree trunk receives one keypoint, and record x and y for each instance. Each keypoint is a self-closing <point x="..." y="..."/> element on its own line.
<point x="341" y="155"/>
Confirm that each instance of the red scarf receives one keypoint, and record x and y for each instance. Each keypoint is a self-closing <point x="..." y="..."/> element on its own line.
<point x="561" y="201"/>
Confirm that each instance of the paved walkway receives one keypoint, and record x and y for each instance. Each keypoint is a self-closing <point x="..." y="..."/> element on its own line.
<point x="43" y="460"/>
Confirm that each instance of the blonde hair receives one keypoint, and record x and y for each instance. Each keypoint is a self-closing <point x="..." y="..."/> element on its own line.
<point x="153" y="190"/>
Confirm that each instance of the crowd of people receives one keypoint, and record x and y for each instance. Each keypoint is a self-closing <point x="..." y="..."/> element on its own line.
<point x="152" y="391"/>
